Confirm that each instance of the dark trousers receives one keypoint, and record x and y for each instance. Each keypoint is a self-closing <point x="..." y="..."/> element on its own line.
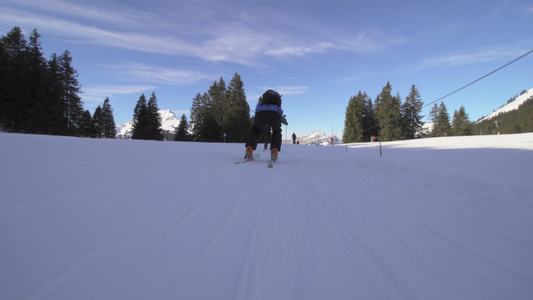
<point x="264" y="120"/>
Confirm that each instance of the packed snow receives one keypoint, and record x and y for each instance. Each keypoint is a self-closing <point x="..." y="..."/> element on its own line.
<point x="441" y="218"/>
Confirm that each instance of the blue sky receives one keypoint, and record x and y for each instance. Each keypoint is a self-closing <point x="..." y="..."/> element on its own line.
<point x="317" y="54"/>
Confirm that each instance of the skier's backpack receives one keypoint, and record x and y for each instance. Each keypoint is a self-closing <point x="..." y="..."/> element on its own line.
<point x="271" y="97"/>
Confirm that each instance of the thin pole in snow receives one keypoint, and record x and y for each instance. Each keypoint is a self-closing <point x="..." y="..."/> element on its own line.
<point x="286" y="132"/>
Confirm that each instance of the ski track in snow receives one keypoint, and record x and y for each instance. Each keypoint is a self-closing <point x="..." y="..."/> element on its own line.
<point x="115" y="219"/>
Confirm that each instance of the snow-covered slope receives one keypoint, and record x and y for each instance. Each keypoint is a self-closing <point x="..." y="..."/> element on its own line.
<point x="442" y="218"/>
<point x="169" y="122"/>
<point x="511" y="106"/>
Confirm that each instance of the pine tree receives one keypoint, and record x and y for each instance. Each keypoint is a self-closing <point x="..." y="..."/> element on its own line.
<point x="434" y="117"/>
<point x="4" y="106"/>
<point x="369" y="120"/>
<point x="461" y="125"/>
<point x="203" y="120"/>
<point x="207" y="113"/>
<point x="86" y="124"/>
<point x="109" y="127"/>
<point x="197" y="110"/>
<point x="211" y="128"/>
<point x="236" y="111"/>
<point x="181" y="132"/>
<point x="388" y="116"/>
<point x="37" y="115"/>
<point x="56" y="122"/>
<point x="441" y="121"/>
<point x="140" y="129"/>
<point x="37" y="96"/>
<point x="15" y="100"/>
<point x="146" y="120"/>
<point x="349" y="132"/>
<point x="353" y="120"/>
<point x="154" y="119"/>
<point x="215" y="113"/>
<point x="98" y="123"/>
<point x="411" y="118"/>
<point x="70" y="90"/>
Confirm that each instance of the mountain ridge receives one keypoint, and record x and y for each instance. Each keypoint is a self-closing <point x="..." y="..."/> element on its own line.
<point x="513" y="105"/>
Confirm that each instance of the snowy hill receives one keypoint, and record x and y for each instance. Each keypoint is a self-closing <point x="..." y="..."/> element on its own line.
<point x="169" y="123"/>
<point x="440" y="218"/>
<point x="510" y="106"/>
<point x="317" y="138"/>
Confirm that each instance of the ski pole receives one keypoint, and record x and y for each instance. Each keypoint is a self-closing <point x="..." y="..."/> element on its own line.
<point x="286" y="132"/>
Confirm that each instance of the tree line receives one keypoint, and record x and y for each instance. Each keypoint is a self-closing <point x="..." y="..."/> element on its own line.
<point x="146" y="120"/>
<point x="224" y="110"/>
<point x="221" y="113"/>
<point x="388" y="119"/>
<point x="460" y="125"/>
<point x="42" y="96"/>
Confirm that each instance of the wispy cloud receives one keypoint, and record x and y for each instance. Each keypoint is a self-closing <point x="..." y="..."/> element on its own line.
<point x="296" y="50"/>
<point x="148" y="73"/>
<point x="112" y="14"/>
<point x="367" y="41"/>
<point x="98" y="94"/>
<point x="459" y="59"/>
<point x="282" y="90"/>
<point x="83" y="34"/>
<point x="358" y="75"/>
<point x="496" y="10"/>
<point x="290" y="90"/>
<point x="207" y="30"/>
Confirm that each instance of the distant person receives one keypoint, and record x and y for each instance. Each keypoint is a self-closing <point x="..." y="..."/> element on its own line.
<point x="268" y="114"/>
<point x="294" y="138"/>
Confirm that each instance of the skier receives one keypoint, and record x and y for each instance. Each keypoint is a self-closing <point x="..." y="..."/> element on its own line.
<point x="268" y="114"/>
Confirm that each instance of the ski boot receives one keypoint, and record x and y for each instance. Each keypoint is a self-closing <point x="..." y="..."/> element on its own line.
<point x="249" y="154"/>
<point x="274" y="155"/>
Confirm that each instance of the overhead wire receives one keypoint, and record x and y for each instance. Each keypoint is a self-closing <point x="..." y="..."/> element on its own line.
<point x="480" y="78"/>
<point x="465" y="86"/>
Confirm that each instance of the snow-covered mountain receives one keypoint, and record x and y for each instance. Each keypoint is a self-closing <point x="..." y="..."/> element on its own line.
<point x="169" y="123"/>
<point x="317" y="138"/>
<point x="510" y="106"/>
